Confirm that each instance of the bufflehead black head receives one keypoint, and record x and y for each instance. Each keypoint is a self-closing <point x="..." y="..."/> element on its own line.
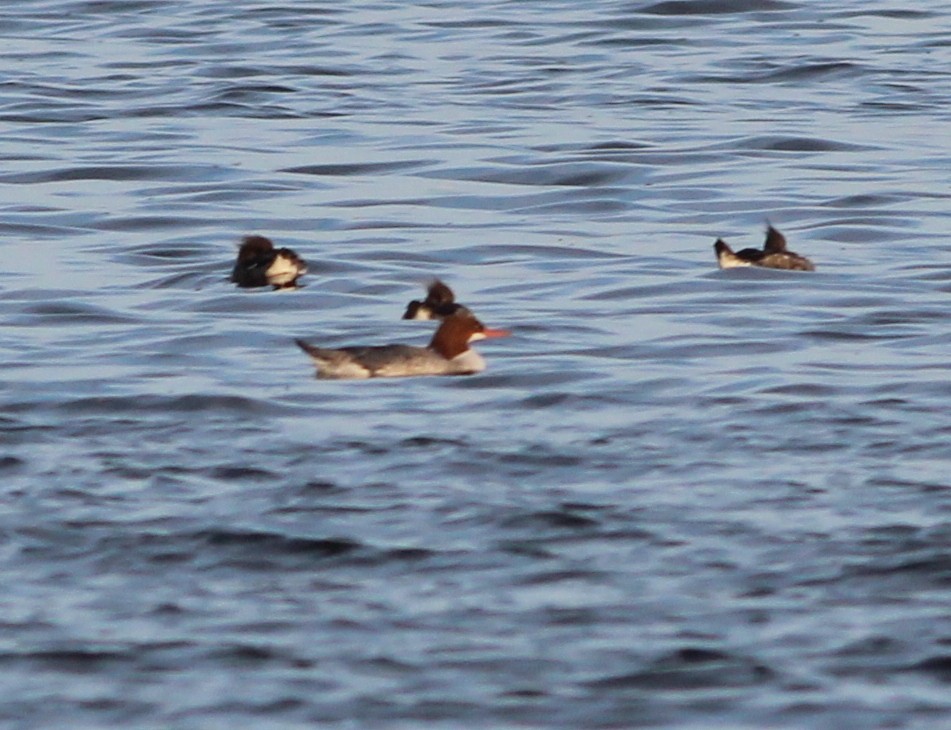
<point x="260" y="264"/>
<point x="439" y="303"/>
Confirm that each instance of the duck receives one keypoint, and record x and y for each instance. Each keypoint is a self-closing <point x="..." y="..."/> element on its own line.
<point x="440" y="302"/>
<point x="773" y="256"/>
<point x="448" y="353"/>
<point x="260" y="264"/>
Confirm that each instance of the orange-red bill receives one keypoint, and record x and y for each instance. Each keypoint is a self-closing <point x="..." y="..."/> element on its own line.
<point x="495" y="333"/>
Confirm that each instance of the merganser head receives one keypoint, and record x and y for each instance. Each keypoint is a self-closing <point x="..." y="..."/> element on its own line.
<point x="458" y="330"/>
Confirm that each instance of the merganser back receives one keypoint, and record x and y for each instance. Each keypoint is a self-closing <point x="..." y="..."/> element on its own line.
<point x="260" y="264"/>
<point x="773" y="256"/>
<point x="439" y="303"/>
<point x="447" y="354"/>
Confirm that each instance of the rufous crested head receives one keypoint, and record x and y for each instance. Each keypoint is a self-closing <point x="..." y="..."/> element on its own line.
<point x="458" y="330"/>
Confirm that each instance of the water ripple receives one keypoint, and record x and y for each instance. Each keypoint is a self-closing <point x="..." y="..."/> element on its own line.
<point x="678" y="496"/>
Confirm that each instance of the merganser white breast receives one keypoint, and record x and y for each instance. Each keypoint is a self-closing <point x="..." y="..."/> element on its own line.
<point x="440" y="302"/>
<point x="448" y="353"/>
<point x="260" y="264"/>
<point x="773" y="256"/>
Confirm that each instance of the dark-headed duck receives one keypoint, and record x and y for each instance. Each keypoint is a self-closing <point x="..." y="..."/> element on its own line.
<point x="439" y="303"/>
<point x="773" y="256"/>
<point x="260" y="264"/>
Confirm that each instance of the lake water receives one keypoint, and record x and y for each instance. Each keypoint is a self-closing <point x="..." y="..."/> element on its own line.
<point x="678" y="497"/>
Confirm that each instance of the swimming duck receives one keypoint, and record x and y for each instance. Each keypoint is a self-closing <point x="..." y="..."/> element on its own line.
<point x="448" y="353"/>
<point x="439" y="303"/>
<point x="773" y="256"/>
<point x="260" y="264"/>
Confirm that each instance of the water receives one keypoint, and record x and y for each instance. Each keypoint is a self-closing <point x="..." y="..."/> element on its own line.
<point x="678" y="497"/>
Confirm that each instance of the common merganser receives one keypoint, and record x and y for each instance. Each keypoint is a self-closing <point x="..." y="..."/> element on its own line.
<point x="439" y="303"/>
<point x="773" y="256"/>
<point x="260" y="264"/>
<point x="447" y="354"/>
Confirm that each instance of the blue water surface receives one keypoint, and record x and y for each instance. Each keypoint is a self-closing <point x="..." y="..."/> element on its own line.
<point x="678" y="497"/>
